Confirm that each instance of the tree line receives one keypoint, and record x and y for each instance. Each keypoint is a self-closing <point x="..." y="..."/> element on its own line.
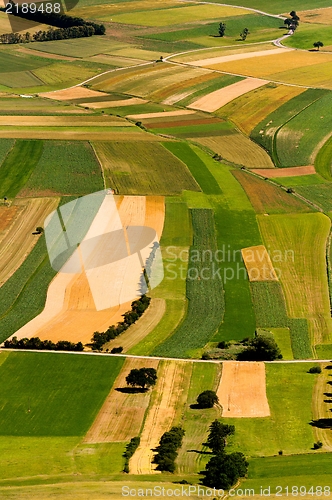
<point x="167" y="450"/>
<point x="37" y="344"/>
<point x="137" y="309"/>
<point x="67" y="27"/>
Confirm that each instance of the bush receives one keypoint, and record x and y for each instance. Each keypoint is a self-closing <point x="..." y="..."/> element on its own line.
<point x="315" y="369"/>
<point x="223" y="345"/>
<point x="318" y="445"/>
<point x="116" y="350"/>
<point x="207" y="399"/>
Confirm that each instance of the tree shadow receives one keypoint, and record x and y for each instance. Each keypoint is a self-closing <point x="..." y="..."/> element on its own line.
<point x="328" y="401"/>
<point x="329" y="367"/>
<point x="328" y="394"/>
<point x="322" y="423"/>
<point x="196" y="406"/>
<point x="131" y="390"/>
<point x="200" y="452"/>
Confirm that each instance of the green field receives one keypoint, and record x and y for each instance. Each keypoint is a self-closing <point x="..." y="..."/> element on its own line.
<point x="16" y="61"/>
<point x="203" y="289"/>
<point x="18" y="166"/>
<point x="143" y="168"/>
<point x="5" y="146"/>
<point x="299" y="180"/>
<point x="323" y="160"/>
<point x="177" y="227"/>
<point x="320" y="194"/>
<point x="266" y="131"/>
<point x="196" y="166"/>
<point x="289" y="391"/>
<point x="279" y="7"/>
<point x="64" y="167"/>
<point x="63" y="392"/>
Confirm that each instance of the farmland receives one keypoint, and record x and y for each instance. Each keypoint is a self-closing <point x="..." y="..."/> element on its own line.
<point x="134" y="168"/>
<point x="169" y="116"/>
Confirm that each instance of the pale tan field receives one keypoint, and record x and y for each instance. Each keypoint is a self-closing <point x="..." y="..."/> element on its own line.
<point x="242" y="390"/>
<point x="320" y="409"/>
<point x="161" y="414"/>
<point x="141" y="328"/>
<point x="162" y="114"/>
<point x="285" y="172"/>
<point x="77" y="305"/>
<point x="122" y="414"/>
<point x="237" y="57"/>
<point x="78" y="135"/>
<point x="258" y="264"/>
<point x="321" y="16"/>
<point x="72" y="93"/>
<point x="63" y="121"/>
<point x="114" y="104"/>
<point x="215" y="100"/>
<point x="16" y="238"/>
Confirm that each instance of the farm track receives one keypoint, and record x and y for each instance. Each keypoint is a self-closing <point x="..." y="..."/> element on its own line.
<point x="17" y="241"/>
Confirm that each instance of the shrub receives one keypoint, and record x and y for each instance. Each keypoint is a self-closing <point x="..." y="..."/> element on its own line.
<point x="318" y="445"/>
<point x="315" y="369"/>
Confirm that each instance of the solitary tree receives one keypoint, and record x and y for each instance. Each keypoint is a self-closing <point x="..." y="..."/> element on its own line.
<point x="142" y="377"/>
<point x="222" y="29"/>
<point x="207" y="399"/>
<point x="318" y="44"/>
<point x="223" y="470"/>
<point x="244" y="33"/>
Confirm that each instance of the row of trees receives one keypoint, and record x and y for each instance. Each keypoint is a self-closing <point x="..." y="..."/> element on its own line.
<point x="137" y="309"/>
<point x="59" y="20"/>
<point x="167" y="451"/>
<point x="49" y="35"/>
<point x="131" y="447"/>
<point x="224" y="469"/>
<point x="36" y="343"/>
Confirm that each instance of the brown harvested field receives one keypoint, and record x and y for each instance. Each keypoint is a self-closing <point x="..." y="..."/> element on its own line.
<point x="173" y="93"/>
<point x="235" y="57"/>
<point x="320" y="408"/>
<point x="122" y="414"/>
<point x="285" y="172"/>
<point x="79" y="304"/>
<point x="242" y="390"/>
<point x="141" y="328"/>
<point x="236" y="148"/>
<point x="267" y="198"/>
<point x="72" y="93"/>
<point x="16" y="239"/>
<point x="172" y="379"/>
<point x="80" y="135"/>
<point x="114" y="104"/>
<point x="180" y="123"/>
<point x="7" y="215"/>
<point x="321" y="16"/>
<point x="215" y="100"/>
<point x="162" y="114"/>
<point x="258" y="264"/>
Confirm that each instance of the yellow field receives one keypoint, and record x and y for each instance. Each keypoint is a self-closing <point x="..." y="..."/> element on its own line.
<point x="320" y="16"/>
<point x="258" y="264"/>
<point x="205" y="53"/>
<point x="78" y="135"/>
<point x="179" y="15"/>
<point x="238" y="149"/>
<point x="299" y="241"/>
<point x="291" y="67"/>
<point x="250" y="109"/>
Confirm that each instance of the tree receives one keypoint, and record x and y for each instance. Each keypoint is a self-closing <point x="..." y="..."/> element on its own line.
<point x="216" y="440"/>
<point x="223" y="470"/>
<point x="244" y="33"/>
<point x="207" y="399"/>
<point x="318" y="44"/>
<point x="142" y="377"/>
<point x="222" y="29"/>
<point x="260" y="348"/>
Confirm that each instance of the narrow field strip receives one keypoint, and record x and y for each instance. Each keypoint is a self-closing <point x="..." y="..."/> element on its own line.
<point x="258" y="264"/>
<point x="242" y="390"/>
<point x="236" y="57"/>
<point x="122" y="414"/>
<point x="215" y="100"/>
<point x="285" y="172"/>
<point x="160" y="416"/>
<point x="17" y="241"/>
<point x="163" y="114"/>
<point x="114" y="104"/>
<point x="72" y="93"/>
<point x="141" y="329"/>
